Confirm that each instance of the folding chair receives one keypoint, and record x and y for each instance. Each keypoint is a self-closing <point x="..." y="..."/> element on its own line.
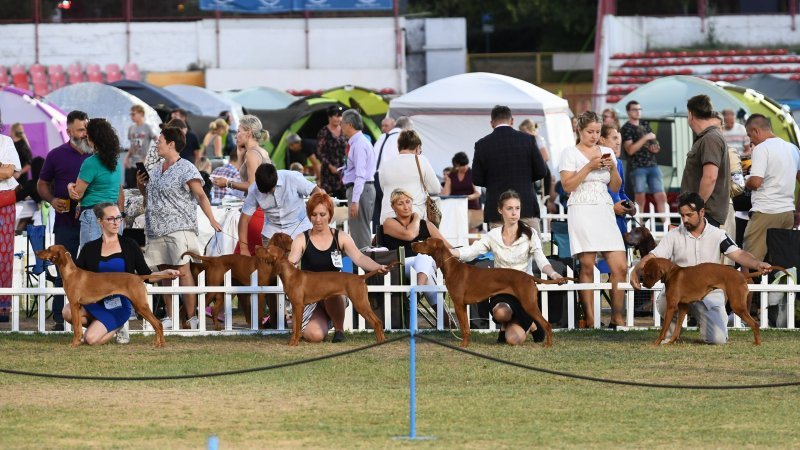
<point x="783" y="249"/>
<point x="36" y="238"/>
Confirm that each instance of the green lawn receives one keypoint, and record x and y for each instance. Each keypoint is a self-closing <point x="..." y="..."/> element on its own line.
<point x="361" y="400"/>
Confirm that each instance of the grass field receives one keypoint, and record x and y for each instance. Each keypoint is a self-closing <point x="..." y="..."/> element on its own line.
<point x="361" y="400"/>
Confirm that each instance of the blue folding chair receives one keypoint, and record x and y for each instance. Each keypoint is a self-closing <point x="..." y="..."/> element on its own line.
<point x="36" y="235"/>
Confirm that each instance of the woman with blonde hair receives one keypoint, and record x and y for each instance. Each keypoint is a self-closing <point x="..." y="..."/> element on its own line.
<point x="588" y="170"/>
<point x="249" y="137"/>
<point x="212" y="142"/>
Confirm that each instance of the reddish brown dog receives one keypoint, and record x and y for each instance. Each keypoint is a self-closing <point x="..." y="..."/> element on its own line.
<point x="83" y="287"/>
<point x="469" y="284"/>
<point x="303" y="288"/>
<point x="685" y="285"/>
<point x="241" y="267"/>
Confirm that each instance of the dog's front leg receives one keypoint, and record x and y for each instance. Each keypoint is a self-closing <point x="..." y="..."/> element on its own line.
<point x="297" y="321"/>
<point x="77" y="327"/>
<point x="463" y="322"/>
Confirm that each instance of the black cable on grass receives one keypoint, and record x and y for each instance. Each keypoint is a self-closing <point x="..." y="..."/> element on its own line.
<point x="605" y="380"/>
<point x="203" y="375"/>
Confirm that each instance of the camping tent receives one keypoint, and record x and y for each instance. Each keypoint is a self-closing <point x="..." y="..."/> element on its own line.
<point x="305" y="117"/>
<point x="162" y="100"/>
<point x="209" y="102"/>
<point x="262" y="98"/>
<point x="664" y="105"/>
<point x="783" y="90"/>
<point x="356" y="97"/>
<point x="102" y="100"/>
<point x="452" y="113"/>
<point x="44" y="124"/>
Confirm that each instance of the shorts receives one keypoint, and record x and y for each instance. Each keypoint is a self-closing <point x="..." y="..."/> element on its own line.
<point x="113" y="318"/>
<point x="167" y="250"/>
<point x="647" y="179"/>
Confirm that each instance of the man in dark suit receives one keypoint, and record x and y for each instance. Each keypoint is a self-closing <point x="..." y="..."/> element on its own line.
<point x="508" y="159"/>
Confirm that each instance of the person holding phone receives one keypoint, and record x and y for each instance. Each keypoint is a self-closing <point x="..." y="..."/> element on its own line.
<point x="610" y="137"/>
<point x="588" y="170"/>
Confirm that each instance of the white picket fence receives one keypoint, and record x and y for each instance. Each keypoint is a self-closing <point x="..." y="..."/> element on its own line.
<point x="648" y="219"/>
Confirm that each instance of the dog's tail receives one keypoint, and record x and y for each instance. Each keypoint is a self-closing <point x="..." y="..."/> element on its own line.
<point x="561" y="280"/>
<point x="153" y="277"/>
<point x="196" y="256"/>
<point x="375" y="272"/>
<point x="762" y="272"/>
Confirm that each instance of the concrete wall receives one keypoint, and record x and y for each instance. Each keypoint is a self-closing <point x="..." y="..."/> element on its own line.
<point x="272" y="51"/>
<point x="640" y="33"/>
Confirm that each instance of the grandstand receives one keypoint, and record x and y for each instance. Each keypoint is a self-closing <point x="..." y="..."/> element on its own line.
<point x="41" y="81"/>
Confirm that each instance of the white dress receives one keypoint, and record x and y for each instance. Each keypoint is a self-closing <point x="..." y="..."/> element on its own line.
<point x="590" y="213"/>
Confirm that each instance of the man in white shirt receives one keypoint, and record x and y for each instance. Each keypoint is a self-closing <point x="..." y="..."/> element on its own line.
<point x="695" y="242"/>
<point x="734" y="133"/>
<point x="385" y="149"/>
<point x="774" y="169"/>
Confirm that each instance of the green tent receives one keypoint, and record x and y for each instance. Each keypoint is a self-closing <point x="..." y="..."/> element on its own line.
<point x="370" y="102"/>
<point x="305" y="117"/>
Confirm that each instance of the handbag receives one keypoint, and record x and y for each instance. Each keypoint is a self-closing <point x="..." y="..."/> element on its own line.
<point x="433" y="213"/>
<point x="8" y="197"/>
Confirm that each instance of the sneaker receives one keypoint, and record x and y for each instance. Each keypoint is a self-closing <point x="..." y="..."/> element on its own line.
<point x="122" y="336"/>
<point x="220" y="316"/>
<point x="338" y="337"/>
<point x="166" y="322"/>
<point x="58" y="326"/>
<point x="194" y="322"/>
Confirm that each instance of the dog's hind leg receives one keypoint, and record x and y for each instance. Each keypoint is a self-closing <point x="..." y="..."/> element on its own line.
<point x="742" y="311"/>
<point x="361" y="304"/>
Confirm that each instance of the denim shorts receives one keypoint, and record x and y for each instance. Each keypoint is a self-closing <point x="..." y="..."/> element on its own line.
<point x="647" y="179"/>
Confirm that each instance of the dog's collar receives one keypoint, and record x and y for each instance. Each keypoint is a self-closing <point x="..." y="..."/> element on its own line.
<point x="451" y="257"/>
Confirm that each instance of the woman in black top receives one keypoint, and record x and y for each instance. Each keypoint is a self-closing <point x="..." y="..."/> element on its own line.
<point x="408" y="227"/>
<point x="110" y="253"/>
<point x="321" y="249"/>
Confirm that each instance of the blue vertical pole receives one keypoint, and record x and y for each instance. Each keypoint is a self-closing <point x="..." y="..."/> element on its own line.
<point x="412" y="369"/>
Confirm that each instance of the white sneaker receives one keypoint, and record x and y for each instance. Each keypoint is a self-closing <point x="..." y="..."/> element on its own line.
<point x="122" y="336"/>
<point x="166" y="322"/>
<point x="194" y="323"/>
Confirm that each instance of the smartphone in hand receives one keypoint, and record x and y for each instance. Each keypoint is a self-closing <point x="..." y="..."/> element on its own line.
<point x="140" y="168"/>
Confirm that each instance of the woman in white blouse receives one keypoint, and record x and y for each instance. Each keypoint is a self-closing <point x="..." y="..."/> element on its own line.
<point x="588" y="171"/>
<point x="403" y="173"/>
<point x="513" y="246"/>
<point x="9" y="167"/>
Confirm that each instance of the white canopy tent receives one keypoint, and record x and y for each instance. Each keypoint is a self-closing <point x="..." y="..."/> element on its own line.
<point x="106" y="101"/>
<point x="452" y="113"/>
<point x="209" y="102"/>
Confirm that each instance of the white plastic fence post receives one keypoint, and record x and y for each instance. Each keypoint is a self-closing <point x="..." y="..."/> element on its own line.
<point x="790" y="299"/>
<point x="15" y="313"/>
<point x="254" y="302"/>
<point x="41" y="299"/>
<point x="176" y="310"/>
<point x="596" y="294"/>
<point x="570" y="302"/>
<point x="228" y="301"/>
<point x="545" y="303"/>
<point x="201" y="302"/>
<point x="629" y="303"/>
<point x="387" y="303"/>
<point x="281" y="308"/>
<point x="762" y="307"/>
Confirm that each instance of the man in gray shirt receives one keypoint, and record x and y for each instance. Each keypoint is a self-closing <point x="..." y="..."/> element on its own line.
<point x="707" y="170"/>
<point x="141" y="137"/>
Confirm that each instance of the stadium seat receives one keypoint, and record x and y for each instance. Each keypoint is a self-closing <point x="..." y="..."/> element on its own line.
<point x="40" y="87"/>
<point x="668" y="54"/>
<point x="700" y="53"/>
<point x="131" y="72"/>
<point x="651" y="55"/>
<point x="113" y="73"/>
<point x="20" y="81"/>
<point x="58" y="78"/>
<point x="36" y="69"/>
<point x="3" y="76"/>
<point x="75" y="73"/>
<point x="94" y="76"/>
